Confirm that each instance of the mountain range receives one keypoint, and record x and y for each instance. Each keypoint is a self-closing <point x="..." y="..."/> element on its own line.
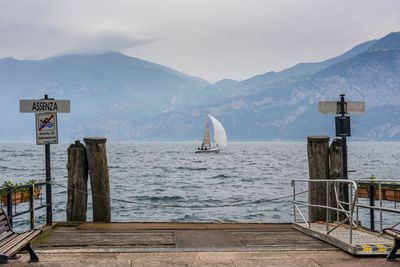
<point x="125" y="98"/>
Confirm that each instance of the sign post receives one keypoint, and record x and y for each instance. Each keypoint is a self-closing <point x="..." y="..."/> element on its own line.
<point x="46" y="133"/>
<point x="342" y="124"/>
<point x="46" y="128"/>
<point x="343" y="130"/>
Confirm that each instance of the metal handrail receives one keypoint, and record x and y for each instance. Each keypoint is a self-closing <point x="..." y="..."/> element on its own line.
<point x="353" y="203"/>
<point x="372" y="184"/>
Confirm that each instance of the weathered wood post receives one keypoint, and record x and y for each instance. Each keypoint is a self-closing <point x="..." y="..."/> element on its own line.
<point x="99" y="179"/>
<point x="77" y="182"/>
<point x="318" y="166"/>
<point x="336" y="172"/>
<point x="336" y="159"/>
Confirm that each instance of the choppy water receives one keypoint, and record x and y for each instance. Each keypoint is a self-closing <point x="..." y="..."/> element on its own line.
<point x="171" y="174"/>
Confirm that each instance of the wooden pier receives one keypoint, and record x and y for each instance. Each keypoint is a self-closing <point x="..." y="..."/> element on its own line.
<point x="172" y="237"/>
<point x="187" y="244"/>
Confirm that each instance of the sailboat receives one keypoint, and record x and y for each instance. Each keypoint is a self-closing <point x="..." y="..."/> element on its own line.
<point x="219" y="137"/>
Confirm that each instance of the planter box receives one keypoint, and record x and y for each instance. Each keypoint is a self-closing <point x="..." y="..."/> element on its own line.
<point x="387" y="194"/>
<point x="393" y="195"/>
<point x="19" y="197"/>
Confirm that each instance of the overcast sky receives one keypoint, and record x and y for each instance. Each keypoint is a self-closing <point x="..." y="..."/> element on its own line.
<point x="211" y="39"/>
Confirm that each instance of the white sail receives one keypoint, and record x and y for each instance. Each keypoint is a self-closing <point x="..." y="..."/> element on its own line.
<point x="206" y="139"/>
<point x="219" y="132"/>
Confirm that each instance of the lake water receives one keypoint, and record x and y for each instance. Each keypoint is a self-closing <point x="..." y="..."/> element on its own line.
<point x="171" y="175"/>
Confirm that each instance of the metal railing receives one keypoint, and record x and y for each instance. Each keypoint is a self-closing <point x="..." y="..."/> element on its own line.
<point x="13" y="199"/>
<point x="380" y="187"/>
<point x="349" y="210"/>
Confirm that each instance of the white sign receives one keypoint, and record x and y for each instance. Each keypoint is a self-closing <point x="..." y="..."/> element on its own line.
<point x="334" y="107"/>
<point x="43" y="106"/>
<point x="46" y="128"/>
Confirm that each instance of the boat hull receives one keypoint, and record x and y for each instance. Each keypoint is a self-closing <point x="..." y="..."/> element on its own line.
<point x="212" y="150"/>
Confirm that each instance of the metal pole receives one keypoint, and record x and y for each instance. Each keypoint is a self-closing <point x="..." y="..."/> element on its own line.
<point x="32" y="205"/>
<point x="344" y="153"/>
<point x="9" y="205"/>
<point x="49" y="213"/>
<point x="294" y="200"/>
<point x="351" y="213"/>
<point x="380" y="207"/>
<point x="356" y="204"/>
<point x="344" y="147"/>
<point x="327" y="207"/>
<point x="372" y="204"/>
<point x="49" y="209"/>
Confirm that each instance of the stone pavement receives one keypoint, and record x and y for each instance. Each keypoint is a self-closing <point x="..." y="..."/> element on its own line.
<point x="234" y="259"/>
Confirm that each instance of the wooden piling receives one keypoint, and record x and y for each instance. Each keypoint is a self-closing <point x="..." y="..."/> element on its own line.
<point x="318" y="166"/>
<point x="336" y="159"/>
<point x="99" y="179"/>
<point x="336" y="172"/>
<point x="77" y="182"/>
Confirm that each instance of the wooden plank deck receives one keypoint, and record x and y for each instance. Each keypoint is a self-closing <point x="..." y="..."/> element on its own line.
<point x="139" y="237"/>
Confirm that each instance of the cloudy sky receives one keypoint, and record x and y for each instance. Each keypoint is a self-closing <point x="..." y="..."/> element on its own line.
<point x="211" y="39"/>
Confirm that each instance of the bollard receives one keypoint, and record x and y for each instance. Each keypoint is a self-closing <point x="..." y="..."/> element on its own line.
<point x="77" y="182"/>
<point x="99" y="179"/>
<point x="318" y="166"/>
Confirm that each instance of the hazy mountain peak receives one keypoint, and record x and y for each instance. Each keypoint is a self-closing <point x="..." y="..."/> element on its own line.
<point x="120" y="97"/>
<point x="389" y="42"/>
<point x="226" y="82"/>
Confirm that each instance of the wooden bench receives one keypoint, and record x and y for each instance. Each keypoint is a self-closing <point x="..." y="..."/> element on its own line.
<point x="396" y="235"/>
<point x="11" y="243"/>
